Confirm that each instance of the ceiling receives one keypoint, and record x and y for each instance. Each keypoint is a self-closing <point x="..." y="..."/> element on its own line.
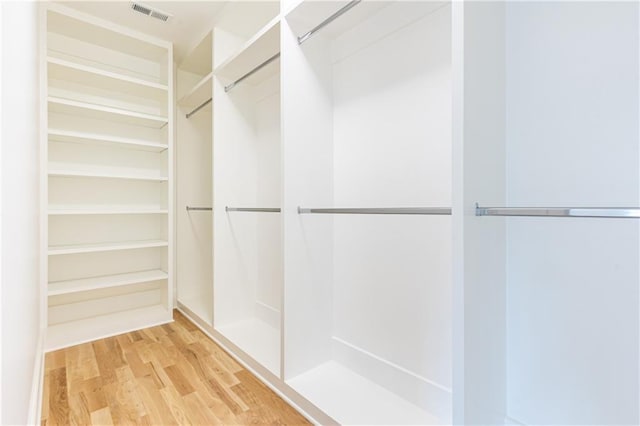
<point x="189" y="24"/>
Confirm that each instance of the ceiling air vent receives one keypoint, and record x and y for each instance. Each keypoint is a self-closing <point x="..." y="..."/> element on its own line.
<point x="149" y="11"/>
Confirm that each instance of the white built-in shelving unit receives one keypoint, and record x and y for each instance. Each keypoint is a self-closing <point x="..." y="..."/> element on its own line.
<point x="108" y="187"/>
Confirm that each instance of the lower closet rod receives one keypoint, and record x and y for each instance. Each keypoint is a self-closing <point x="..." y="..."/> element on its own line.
<point x="603" y="212"/>
<point x="382" y="210"/>
<point x="253" y="209"/>
<point x="190" y="208"/>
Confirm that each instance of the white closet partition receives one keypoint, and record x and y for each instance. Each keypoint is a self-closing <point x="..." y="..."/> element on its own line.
<point x="194" y="181"/>
<point x="109" y="186"/>
<point x="247" y="175"/>
<point x="368" y="125"/>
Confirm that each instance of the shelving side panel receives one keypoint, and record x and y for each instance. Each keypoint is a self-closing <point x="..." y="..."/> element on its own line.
<point x="269" y="272"/>
<point x="572" y="123"/>
<point x="479" y="245"/>
<point x="246" y="162"/>
<point x="194" y="233"/>
<point x="235" y="184"/>
<point x="307" y="110"/>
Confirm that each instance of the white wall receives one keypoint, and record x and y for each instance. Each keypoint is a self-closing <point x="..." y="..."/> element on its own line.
<point x="20" y="202"/>
<point x="572" y="132"/>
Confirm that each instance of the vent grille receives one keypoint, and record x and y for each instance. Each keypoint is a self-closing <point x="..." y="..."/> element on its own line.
<point x="153" y="13"/>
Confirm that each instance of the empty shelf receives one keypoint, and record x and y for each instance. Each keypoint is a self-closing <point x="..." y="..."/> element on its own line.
<point x="74" y="173"/>
<point x="102" y="211"/>
<point x="74" y="286"/>
<point x="92" y="248"/>
<point x="86" y="330"/>
<point x="343" y="394"/>
<point x="84" y="109"/>
<point x="58" y="135"/>
<point x="61" y="69"/>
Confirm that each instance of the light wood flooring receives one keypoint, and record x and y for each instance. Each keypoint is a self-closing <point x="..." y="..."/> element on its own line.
<point x="170" y="374"/>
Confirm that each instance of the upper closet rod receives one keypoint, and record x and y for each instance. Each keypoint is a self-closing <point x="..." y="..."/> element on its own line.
<point x="198" y="108"/>
<point x="253" y="209"/>
<point x="253" y="71"/>
<point x="327" y="21"/>
<point x="190" y="208"/>
<point x="605" y="212"/>
<point x="382" y="210"/>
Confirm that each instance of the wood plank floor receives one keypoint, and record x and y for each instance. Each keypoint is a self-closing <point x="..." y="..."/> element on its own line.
<point x="165" y="375"/>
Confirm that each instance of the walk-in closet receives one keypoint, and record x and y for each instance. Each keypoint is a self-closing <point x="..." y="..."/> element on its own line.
<point x="359" y="212"/>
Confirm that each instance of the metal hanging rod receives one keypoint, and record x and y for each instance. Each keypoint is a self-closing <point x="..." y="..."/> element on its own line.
<point x="199" y="107"/>
<point x="253" y="209"/>
<point x="190" y="208"/>
<point x="327" y="21"/>
<point x="253" y="71"/>
<point x="383" y="210"/>
<point x="603" y="212"/>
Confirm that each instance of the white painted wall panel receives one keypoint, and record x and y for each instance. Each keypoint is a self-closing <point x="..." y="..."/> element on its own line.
<point x="572" y="131"/>
<point x="20" y="207"/>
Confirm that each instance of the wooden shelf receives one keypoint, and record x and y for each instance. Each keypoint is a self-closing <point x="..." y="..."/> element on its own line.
<point x="102" y="247"/>
<point x="61" y="69"/>
<point x="58" y="135"/>
<point x="84" y="109"/>
<point x="262" y="46"/>
<point x="86" y="330"/>
<point x="74" y="286"/>
<point x="73" y="173"/>
<point x="200" y="93"/>
<point x="102" y="211"/>
<point x="341" y="393"/>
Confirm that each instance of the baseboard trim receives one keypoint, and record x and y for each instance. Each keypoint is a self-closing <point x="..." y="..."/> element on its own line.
<point x="418" y="390"/>
<point x="35" y="400"/>
<point x="513" y="422"/>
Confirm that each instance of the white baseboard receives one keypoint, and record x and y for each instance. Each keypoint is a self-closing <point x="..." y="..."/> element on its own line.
<point x="35" y="400"/>
<point x="268" y="314"/>
<point x="513" y="422"/>
<point x="418" y="390"/>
